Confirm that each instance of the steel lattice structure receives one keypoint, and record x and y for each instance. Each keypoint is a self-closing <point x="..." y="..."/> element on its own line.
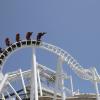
<point x="63" y="56"/>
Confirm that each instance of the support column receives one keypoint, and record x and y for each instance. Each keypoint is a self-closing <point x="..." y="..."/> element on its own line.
<point x="71" y="82"/>
<point x="3" y="97"/>
<point x="95" y="84"/>
<point x="59" y="79"/>
<point x="63" y="91"/>
<point x="39" y="81"/>
<point x="34" y="85"/>
<point x="97" y="90"/>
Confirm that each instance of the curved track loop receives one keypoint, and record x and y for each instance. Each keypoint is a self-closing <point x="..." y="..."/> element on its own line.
<point x="66" y="57"/>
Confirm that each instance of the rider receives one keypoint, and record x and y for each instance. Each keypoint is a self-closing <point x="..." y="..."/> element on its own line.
<point x="17" y="37"/>
<point x="7" y="41"/>
<point x="28" y="35"/>
<point x="39" y="35"/>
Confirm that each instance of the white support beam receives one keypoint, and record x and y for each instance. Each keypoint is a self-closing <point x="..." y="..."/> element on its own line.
<point x="14" y="91"/>
<point x="39" y="81"/>
<point x="95" y="83"/>
<point x="34" y="83"/>
<point x="59" y="84"/>
<point x="3" y="82"/>
<point x="3" y="97"/>
<point x="97" y="90"/>
<point x="23" y="83"/>
<point x="71" y="82"/>
<point x="56" y="82"/>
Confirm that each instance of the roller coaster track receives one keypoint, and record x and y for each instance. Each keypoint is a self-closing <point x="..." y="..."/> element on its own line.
<point x="83" y="73"/>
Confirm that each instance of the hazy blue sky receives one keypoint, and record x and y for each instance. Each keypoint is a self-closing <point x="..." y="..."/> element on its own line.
<point x="73" y="25"/>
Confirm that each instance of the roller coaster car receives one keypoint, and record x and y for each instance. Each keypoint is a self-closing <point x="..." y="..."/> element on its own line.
<point x="34" y="42"/>
<point x="13" y="46"/>
<point x="2" y="57"/>
<point x="5" y="53"/>
<point x="9" y="49"/>
<point x="28" y="42"/>
<point x="23" y="42"/>
<point x="18" y="44"/>
<point x="38" y="42"/>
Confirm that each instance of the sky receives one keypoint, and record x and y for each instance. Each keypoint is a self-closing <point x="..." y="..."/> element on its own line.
<point x="73" y="25"/>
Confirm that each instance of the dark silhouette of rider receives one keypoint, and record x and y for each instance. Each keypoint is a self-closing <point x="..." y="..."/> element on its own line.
<point x="7" y="41"/>
<point x="17" y="37"/>
<point x="28" y="35"/>
<point x="39" y="35"/>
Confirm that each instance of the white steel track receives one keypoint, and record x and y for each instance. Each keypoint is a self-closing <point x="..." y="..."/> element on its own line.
<point x="73" y="64"/>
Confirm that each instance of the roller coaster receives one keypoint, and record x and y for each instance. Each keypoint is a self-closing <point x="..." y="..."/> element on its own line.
<point x="40" y="80"/>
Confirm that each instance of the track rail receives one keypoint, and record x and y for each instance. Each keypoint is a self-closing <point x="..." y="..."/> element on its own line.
<point x="66" y="57"/>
